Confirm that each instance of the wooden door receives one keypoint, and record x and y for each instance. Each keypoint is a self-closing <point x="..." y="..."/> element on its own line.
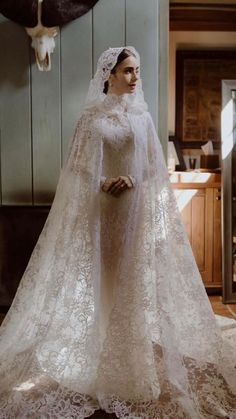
<point x="217" y="238"/>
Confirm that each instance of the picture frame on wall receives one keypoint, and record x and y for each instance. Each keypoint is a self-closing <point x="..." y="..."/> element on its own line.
<point x="198" y="95"/>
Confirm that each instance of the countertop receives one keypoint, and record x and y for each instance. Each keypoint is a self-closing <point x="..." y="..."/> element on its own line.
<point x="197" y="177"/>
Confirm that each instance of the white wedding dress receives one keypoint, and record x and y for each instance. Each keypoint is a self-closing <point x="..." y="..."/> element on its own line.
<point x="111" y="311"/>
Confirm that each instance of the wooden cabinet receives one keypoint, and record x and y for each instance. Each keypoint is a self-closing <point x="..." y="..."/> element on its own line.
<point x="199" y="199"/>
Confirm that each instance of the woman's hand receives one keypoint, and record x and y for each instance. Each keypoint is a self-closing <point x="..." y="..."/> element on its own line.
<point x="116" y="185"/>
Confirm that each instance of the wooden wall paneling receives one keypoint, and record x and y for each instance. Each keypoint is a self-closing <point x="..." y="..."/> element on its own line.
<point x="108" y="27"/>
<point x="204" y="17"/>
<point x="76" y="72"/>
<point x="46" y="128"/>
<point x="15" y="121"/>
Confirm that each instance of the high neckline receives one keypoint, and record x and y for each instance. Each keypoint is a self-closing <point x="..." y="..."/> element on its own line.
<point x="113" y="98"/>
<point x="118" y="104"/>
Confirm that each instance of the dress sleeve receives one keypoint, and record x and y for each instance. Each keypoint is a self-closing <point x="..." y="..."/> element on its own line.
<point x="132" y="179"/>
<point x="85" y="153"/>
<point x="102" y="180"/>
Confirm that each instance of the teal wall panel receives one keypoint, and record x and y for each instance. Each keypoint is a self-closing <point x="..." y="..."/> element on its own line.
<point x="108" y="26"/>
<point x="141" y="32"/>
<point x="15" y="118"/>
<point x="163" y="65"/>
<point x="76" y="72"/>
<point x="39" y="110"/>
<point x="46" y="128"/>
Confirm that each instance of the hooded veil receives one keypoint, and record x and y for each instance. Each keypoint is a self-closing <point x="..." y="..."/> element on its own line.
<point x="111" y="311"/>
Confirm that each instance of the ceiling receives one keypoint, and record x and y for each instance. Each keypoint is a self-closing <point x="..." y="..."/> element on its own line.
<point x="221" y="2"/>
<point x="203" y="15"/>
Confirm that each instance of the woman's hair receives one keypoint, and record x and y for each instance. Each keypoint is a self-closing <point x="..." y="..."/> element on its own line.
<point x="125" y="53"/>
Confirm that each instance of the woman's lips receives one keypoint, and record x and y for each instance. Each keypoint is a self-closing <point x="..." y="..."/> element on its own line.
<point x="133" y="85"/>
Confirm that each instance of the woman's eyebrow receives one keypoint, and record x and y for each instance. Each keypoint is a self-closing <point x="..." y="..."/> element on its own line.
<point x="130" y="68"/>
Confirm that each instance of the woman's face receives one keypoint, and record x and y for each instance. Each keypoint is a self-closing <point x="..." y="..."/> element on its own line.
<point x="125" y="77"/>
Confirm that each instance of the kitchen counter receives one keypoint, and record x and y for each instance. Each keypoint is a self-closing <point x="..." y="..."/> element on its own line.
<point x="188" y="179"/>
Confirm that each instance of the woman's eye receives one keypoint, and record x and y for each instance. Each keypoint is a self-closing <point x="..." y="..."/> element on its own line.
<point x="128" y="71"/>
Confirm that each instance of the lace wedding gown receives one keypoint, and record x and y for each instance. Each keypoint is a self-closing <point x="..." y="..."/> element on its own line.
<point x="111" y="311"/>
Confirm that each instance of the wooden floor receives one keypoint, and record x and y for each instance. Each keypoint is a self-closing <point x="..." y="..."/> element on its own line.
<point x="227" y="310"/>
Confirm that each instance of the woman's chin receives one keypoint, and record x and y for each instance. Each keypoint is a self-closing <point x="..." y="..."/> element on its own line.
<point x="131" y="90"/>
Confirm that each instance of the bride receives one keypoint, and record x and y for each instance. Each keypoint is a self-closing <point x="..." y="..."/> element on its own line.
<point x="111" y="312"/>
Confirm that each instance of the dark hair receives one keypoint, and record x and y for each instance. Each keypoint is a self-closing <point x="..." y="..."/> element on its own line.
<point x="125" y="53"/>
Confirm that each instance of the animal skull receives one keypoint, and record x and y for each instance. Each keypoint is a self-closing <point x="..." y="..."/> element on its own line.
<point x="41" y="19"/>
<point x="43" y="44"/>
<point x="42" y="41"/>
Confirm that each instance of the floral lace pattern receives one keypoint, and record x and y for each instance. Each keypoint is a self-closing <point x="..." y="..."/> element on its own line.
<point x="111" y="311"/>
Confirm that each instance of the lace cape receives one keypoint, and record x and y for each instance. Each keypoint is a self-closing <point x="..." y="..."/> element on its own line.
<point x="111" y="311"/>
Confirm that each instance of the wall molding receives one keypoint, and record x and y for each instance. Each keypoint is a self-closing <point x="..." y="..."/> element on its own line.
<point x="202" y="17"/>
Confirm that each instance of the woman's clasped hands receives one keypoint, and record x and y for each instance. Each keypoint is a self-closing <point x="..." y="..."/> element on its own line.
<point x="117" y="185"/>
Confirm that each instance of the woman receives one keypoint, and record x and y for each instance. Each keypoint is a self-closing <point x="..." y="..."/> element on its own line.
<point x="111" y="312"/>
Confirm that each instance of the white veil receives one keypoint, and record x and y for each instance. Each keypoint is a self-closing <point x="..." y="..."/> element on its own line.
<point x="111" y="311"/>
<point x="106" y="62"/>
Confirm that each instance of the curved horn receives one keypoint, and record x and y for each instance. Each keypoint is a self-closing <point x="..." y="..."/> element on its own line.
<point x="54" y="12"/>
<point x="23" y="12"/>
<point x="59" y="12"/>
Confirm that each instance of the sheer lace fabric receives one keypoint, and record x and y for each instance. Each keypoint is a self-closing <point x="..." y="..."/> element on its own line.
<point x="111" y="311"/>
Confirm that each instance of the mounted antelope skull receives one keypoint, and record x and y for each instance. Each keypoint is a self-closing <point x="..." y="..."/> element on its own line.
<point x="40" y="19"/>
<point x="42" y="41"/>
